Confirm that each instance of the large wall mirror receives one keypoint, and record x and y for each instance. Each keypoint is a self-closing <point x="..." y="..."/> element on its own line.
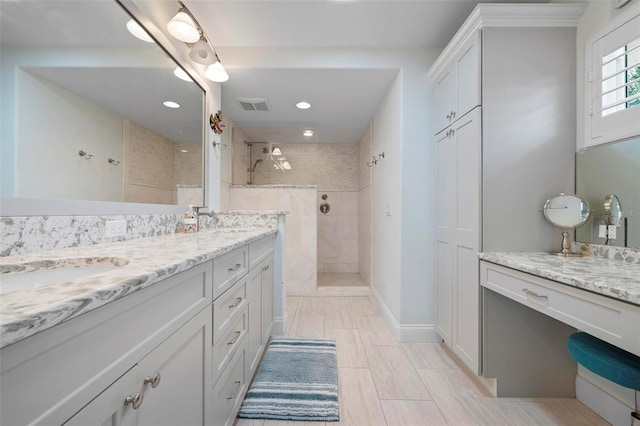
<point x="90" y="112"/>
<point x="612" y="169"/>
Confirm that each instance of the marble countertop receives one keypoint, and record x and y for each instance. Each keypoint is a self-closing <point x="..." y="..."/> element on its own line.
<point x="149" y="260"/>
<point x="251" y="212"/>
<point x="277" y="186"/>
<point x="610" y="277"/>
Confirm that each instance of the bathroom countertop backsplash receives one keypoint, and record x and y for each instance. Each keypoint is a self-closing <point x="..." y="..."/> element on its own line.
<point x="608" y="274"/>
<point x="28" y="234"/>
<point x="142" y="261"/>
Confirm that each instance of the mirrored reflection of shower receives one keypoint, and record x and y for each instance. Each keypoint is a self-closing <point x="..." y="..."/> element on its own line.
<point x="252" y="170"/>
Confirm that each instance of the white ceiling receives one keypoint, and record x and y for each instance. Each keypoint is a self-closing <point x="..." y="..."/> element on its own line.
<point x="345" y="100"/>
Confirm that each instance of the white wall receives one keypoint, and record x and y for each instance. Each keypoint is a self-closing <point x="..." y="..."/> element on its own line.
<point x="48" y="150"/>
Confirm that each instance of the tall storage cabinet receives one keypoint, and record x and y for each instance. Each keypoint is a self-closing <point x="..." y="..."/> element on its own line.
<point x="505" y="123"/>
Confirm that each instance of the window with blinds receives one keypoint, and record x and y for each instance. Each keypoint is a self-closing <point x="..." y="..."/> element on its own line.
<point x="614" y="79"/>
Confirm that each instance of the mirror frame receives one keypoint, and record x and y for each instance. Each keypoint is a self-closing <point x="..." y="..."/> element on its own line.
<point x="18" y="206"/>
<point x="577" y="225"/>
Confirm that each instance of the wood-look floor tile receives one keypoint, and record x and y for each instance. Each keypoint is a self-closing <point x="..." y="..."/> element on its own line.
<point x="552" y="411"/>
<point x="311" y="306"/>
<point x="350" y="351"/>
<point x="428" y="355"/>
<point x="412" y="413"/>
<point x="450" y="382"/>
<point x="292" y="306"/>
<point x="363" y="306"/>
<point x="374" y="331"/>
<point x="393" y="374"/>
<point x="337" y="314"/>
<point x="307" y="326"/>
<point x="252" y="422"/>
<point x="359" y="403"/>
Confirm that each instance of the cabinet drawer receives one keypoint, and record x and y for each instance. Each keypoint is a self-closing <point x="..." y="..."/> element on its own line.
<point x="47" y="377"/>
<point x="260" y="250"/>
<point x="226" y="308"/>
<point x="229" y="342"/>
<point x="610" y="320"/>
<point x="229" y="268"/>
<point x="229" y="391"/>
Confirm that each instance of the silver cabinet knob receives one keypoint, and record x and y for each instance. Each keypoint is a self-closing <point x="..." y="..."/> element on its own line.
<point x="135" y="401"/>
<point x="154" y="380"/>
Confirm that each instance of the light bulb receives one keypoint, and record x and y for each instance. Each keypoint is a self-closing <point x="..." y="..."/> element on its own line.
<point x="183" y="28"/>
<point x="286" y="165"/>
<point x="216" y="72"/>
<point x="308" y="133"/>
<point x="276" y="151"/>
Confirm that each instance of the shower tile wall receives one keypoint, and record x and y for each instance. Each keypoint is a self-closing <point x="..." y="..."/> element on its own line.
<point x="154" y="165"/>
<point x="364" y="206"/>
<point x="334" y="169"/>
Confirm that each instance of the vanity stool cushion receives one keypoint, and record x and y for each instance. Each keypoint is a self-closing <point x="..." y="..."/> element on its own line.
<point x="608" y="361"/>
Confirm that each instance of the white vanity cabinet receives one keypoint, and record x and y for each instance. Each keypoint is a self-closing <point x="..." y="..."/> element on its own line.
<point x="169" y="354"/>
<point x="48" y="377"/>
<point x="505" y="126"/>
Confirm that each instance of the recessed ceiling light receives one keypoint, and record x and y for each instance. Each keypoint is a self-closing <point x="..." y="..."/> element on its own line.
<point x="183" y="150"/>
<point x="171" y="104"/>
<point x="181" y="74"/>
<point x="308" y="133"/>
<point x="303" y="105"/>
<point x="138" y="32"/>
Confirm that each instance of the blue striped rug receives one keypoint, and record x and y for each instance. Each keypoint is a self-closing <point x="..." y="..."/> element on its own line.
<point x="297" y="380"/>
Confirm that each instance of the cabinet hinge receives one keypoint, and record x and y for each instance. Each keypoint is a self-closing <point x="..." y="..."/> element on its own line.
<point x="591" y="108"/>
<point x="591" y="74"/>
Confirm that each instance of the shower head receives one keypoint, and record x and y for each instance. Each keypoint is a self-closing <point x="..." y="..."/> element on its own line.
<point x="253" y="169"/>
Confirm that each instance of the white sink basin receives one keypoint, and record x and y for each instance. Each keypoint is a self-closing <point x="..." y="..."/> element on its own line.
<point x="31" y="275"/>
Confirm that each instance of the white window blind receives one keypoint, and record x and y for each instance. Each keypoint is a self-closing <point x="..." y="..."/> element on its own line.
<point x="614" y="77"/>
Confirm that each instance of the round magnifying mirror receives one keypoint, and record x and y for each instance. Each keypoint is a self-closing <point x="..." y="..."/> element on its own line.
<point x="612" y="209"/>
<point x="567" y="212"/>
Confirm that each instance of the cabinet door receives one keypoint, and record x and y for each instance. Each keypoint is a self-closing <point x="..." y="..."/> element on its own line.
<point x="446" y="211"/>
<point x="467" y="66"/>
<point x="254" y="337"/>
<point x="445" y="97"/>
<point x="108" y="408"/>
<point x="466" y="333"/>
<point x="267" y="301"/>
<point x="180" y="363"/>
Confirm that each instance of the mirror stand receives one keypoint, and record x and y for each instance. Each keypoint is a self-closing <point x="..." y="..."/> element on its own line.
<point x="566" y="247"/>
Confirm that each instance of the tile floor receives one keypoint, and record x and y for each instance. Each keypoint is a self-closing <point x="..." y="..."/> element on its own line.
<point x="383" y="382"/>
<point x="339" y="280"/>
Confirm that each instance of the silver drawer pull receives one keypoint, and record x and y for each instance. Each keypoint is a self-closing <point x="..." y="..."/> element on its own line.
<point x="236" y="303"/>
<point x="154" y="380"/>
<point x="533" y="293"/>
<point x="235" y="338"/>
<point x="135" y="400"/>
<point x="235" y="268"/>
<point x="235" y="391"/>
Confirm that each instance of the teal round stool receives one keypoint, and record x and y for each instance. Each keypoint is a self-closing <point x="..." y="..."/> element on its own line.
<point x="608" y="361"/>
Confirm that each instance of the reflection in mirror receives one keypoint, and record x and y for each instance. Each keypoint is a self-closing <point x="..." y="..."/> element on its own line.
<point x="621" y="78"/>
<point x="612" y="210"/>
<point x="75" y="80"/>
<point x="566" y="212"/>
<point x="611" y="169"/>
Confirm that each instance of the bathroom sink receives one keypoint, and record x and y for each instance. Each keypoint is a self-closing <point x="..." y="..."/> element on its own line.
<point x="42" y="273"/>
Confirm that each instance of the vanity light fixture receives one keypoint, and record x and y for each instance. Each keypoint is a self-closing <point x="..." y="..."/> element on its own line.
<point x="113" y="161"/>
<point x="303" y="105"/>
<point x="202" y="53"/>
<point x="138" y="32"/>
<point x="182" y="74"/>
<point x="276" y="151"/>
<point x="171" y="104"/>
<point x="85" y="155"/>
<point x="308" y="133"/>
<point x="183" y="28"/>
<point x="216" y="72"/>
<point x="286" y="165"/>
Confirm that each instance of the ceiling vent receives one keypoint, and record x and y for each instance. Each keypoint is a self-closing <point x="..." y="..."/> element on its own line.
<point x="253" y="104"/>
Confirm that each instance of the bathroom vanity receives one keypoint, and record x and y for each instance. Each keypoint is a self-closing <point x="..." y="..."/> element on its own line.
<point x="171" y="336"/>
<point x="533" y="301"/>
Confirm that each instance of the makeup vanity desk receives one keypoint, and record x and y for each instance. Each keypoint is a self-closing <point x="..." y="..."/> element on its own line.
<point x="525" y="351"/>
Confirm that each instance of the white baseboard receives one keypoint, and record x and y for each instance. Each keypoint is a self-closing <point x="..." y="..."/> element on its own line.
<point x="280" y="324"/>
<point x="405" y="332"/>
<point x="606" y="406"/>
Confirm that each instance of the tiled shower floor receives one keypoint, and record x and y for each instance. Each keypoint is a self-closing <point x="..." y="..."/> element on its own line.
<point x="329" y="279"/>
